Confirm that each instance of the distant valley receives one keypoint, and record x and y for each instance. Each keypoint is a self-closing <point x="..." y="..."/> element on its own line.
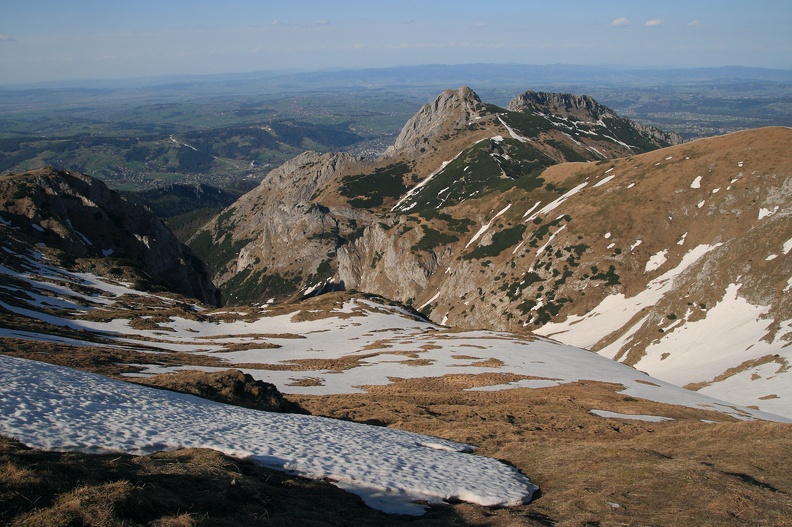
<point x="230" y="131"/>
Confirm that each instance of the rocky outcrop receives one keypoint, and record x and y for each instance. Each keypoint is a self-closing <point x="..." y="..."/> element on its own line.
<point x="382" y="260"/>
<point x="228" y="387"/>
<point x="279" y="240"/>
<point x="298" y="179"/>
<point x="83" y="218"/>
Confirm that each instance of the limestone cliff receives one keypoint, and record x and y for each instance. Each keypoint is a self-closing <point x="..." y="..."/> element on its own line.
<point x="451" y="111"/>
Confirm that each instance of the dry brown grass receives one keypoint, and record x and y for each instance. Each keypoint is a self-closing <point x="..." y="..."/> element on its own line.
<point x="246" y="346"/>
<point x="592" y="470"/>
<point x="106" y="360"/>
<point x="491" y="362"/>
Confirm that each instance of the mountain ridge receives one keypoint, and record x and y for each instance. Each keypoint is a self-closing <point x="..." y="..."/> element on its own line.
<point x="81" y="218"/>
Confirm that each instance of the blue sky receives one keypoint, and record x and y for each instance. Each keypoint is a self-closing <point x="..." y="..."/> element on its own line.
<point x="42" y="40"/>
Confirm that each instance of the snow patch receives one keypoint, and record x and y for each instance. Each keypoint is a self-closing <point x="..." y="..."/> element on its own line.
<point x="733" y="332"/>
<point x="656" y="261"/>
<point x="532" y="209"/>
<point x="484" y="228"/>
<point x="56" y="408"/>
<point x="555" y="203"/>
<point x="604" y="180"/>
<point x="696" y="182"/>
<point x="550" y="239"/>
<point x="435" y="297"/>
<point x="764" y="213"/>
<point x="512" y="132"/>
<point x="615" y="311"/>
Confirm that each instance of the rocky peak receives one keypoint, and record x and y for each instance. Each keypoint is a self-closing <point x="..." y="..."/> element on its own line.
<point x="560" y="104"/>
<point x="451" y="111"/>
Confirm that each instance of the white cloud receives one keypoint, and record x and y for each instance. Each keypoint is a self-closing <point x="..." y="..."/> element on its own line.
<point x="317" y="23"/>
<point x="480" y="25"/>
<point x="7" y="38"/>
<point x="622" y="21"/>
<point x="653" y="22"/>
<point x="694" y="22"/>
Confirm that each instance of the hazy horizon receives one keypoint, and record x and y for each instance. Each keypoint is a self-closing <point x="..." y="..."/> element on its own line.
<point x="49" y="40"/>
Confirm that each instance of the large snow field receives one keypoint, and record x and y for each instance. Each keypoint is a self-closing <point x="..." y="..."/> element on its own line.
<point x="56" y="408"/>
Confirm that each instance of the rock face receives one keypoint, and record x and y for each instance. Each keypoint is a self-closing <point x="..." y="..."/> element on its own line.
<point x="451" y="111"/>
<point x="83" y="218"/>
<point x="276" y="240"/>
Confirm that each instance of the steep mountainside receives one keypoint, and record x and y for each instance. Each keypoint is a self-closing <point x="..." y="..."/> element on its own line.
<point x="283" y="238"/>
<point x="73" y="216"/>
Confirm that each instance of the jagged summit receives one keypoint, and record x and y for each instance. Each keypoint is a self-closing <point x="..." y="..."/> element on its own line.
<point x="583" y="113"/>
<point x="559" y="104"/>
<point x="451" y="110"/>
